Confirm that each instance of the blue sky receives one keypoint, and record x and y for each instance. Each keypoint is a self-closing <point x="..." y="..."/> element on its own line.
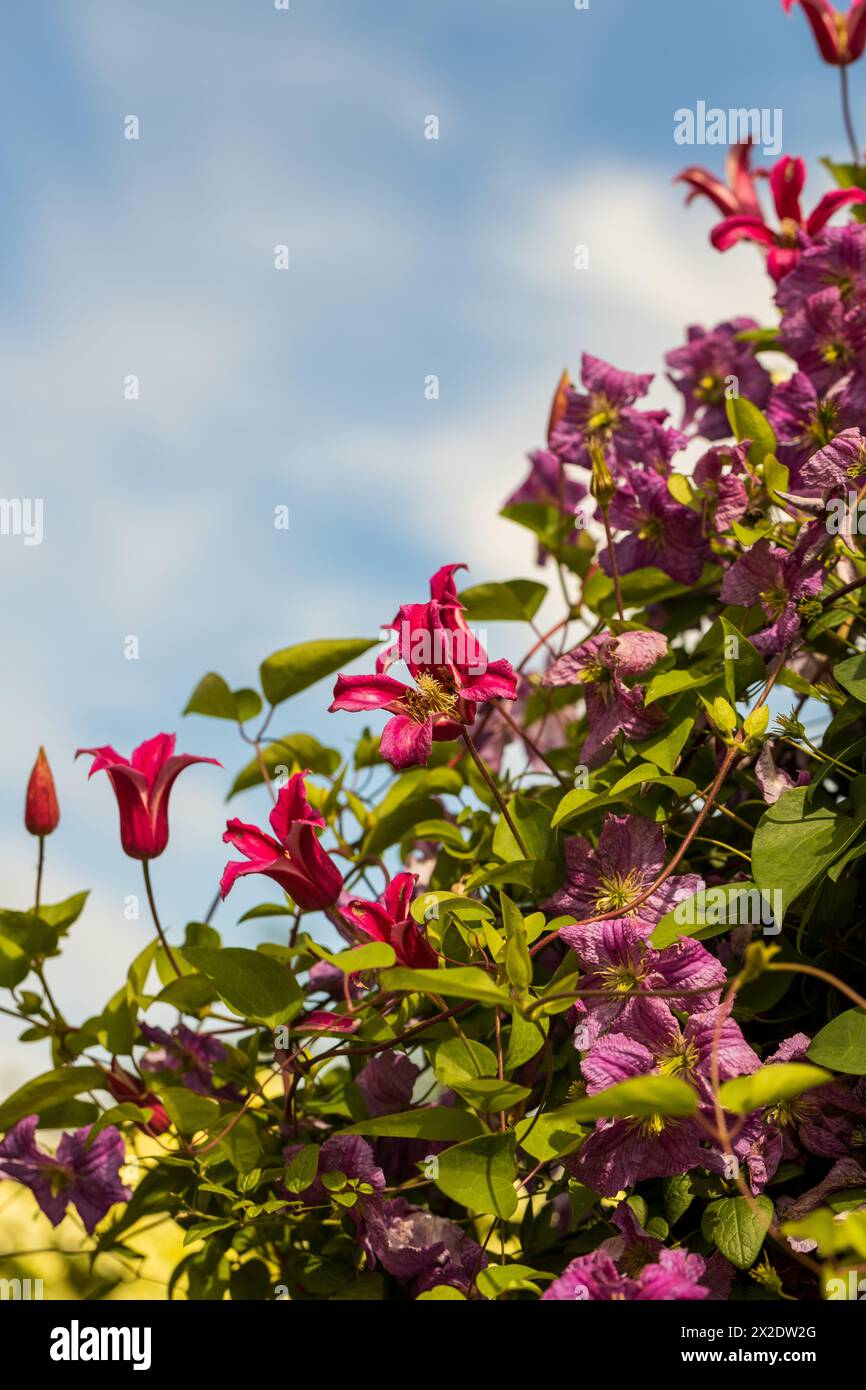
<point x="305" y="388"/>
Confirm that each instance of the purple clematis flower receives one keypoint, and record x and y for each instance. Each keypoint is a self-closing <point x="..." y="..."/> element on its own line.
<point x="836" y="261"/>
<point x="599" y="665"/>
<point x="86" y="1177"/>
<point x="825" y="339"/>
<point x="630" y="856"/>
<point x="805" y="421"/>
<point x="671" y="1049"/>
<point x="192" y="1055"/>
<point x="840" y="464"/>
<point x="594" y="1278"/>
<point x="663" y="532"/>
<point x="350" y="1155"/>
<point x="704" y="367"/>
<point x="726" y="491"/>
<point x="623" y="970"/>
<point x="820" y="1121"/>
<point x="604" y="413"/>
<point x="386" y="1082"/>
<point x="419" y="1247"/>
<point x="782" y="582"/>
<point x="772" y="780"/>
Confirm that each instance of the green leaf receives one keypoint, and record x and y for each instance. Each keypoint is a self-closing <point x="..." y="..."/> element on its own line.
<point x="746" y="668"/>
<point x="748" y="422"/>
<point x="640" y="1095"/>
<point x="189" y="1111"/>
<point x="251" y="983"/>
<point x="851" y="675"/>
<point x="778" y="1081"/>
<point x="497" y="1279"/>
<point x="793" y="845"/>
<point x="287" y="672"/>
<point x="516" y="600"/>
<point x="552" y="1134"/>
<point x="127" y="1113"/>
<point x="294" y="751"/>
<point x="841" y="1044"/>
<point x="735" y="1229"/>
<point x="463" y="982"/>
<point x="581" y="800"/>
<point x="532" y="819"/>
<point x="62" y="915"/>
<point x="518" y="961"/>
<point x="665" y="747"/>
<point x="51" y="1088"/>
<point x="213" y="697"/>
<point x="375" y="955"/>
<point x="490" y="1095"/>
<point x="525" y="1037"/>
<point x="480" y="1175"/>
<point x="301" y="1172"/>
<point x="427" y="1122"/>
<point x="456" y="1061"/>
<point x="441" y="1293"/>
<point x="673" y="682"/>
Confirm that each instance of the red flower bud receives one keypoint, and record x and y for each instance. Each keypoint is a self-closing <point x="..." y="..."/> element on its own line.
<point x="41" y="812"/>
<point x="127" y="1088"/>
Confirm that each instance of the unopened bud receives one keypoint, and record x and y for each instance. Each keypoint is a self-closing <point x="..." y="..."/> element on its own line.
<point x="41" y="812"/>
<point x="601" y="484"/>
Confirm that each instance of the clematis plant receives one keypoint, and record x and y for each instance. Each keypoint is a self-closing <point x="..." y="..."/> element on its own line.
<point x="551" y="985"/>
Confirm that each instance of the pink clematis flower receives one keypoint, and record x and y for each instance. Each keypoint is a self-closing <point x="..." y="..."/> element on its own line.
<point x="840" y="37"/>
<point x="295" y="859"/>
<point x="451" y="670"/>
<point x="390" y="920"/>
<point x="795" y="232"/>
<point x="142" y="785"/>
<point x="738" y="196"/>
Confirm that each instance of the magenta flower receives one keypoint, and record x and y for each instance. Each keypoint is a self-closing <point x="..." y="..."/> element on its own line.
<point x="663" y="532"/>
<point x="825" y="339"/>
<point x="840" y="37"/>
<point x="451" y="670"/>
<point x="295" y="859"/>
<point x="594" y="1278"/>
<point x="726" y="492"/>
<point x="622" y="967"/>
<point x="599" y="665"/>
<point x="739" y="194"/>
<point x="702" y="369"/>
<point x="785" y="245"/>
<point x="630" y="856"/>
<point x="782" y="581"/>
<point x="88" y="1177"/>
<point x="604" y="413"/>
<point x="142" y="785"/>
<point x="390" y="920"/>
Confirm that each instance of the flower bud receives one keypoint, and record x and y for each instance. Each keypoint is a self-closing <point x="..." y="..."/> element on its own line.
<point x="601" y="485"/>
<point x="41" y="812"/>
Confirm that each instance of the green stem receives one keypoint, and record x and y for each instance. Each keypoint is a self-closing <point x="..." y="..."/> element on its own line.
<point x="145" y="864"/>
